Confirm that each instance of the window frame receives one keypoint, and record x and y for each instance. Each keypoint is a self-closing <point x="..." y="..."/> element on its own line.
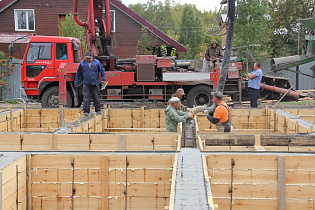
<point x="112" y="28"/>
<point x="16" y="23"/>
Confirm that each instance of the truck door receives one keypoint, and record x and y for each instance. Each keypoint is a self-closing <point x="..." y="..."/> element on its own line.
<point x="62" y="55"/>
<point x="39" y="63"/>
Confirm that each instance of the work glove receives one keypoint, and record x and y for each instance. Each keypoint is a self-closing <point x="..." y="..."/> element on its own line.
<point x="206" y="112"/>
<point x="103" y="85"/>
<point x="190" y="115"/>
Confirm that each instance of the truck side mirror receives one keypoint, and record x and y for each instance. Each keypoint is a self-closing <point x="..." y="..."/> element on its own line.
<point x="11" y="50"/>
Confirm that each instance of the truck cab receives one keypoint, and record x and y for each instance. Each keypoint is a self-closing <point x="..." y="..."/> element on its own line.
<point x="39" y="73"/>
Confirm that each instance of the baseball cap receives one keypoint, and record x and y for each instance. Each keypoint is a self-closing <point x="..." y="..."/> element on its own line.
<point x="88" y="54"/>
<point x="174" y="100"/>
<point x="218" y="95"/>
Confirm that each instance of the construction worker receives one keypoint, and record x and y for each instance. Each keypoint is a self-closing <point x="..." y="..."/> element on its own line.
<point x="221" y="115"/>
<point x="254" y="79"/>
<point x="179" y="94"/>
<point x="213" y="54"/>
<point x="90" y="69"/>
<point x="173" y="116"/>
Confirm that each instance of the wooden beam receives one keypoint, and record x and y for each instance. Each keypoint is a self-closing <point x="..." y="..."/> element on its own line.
<point x="281" y="183"/>
<point x="53" y="143"/>
<point x="29" y="180"/>
<point x="171" y="204"/>
<point x="60" y="115"/>
<point x="12" y="121"/>
<point x="207" y="181"/>
<point x="142" y="117"/>
<point x="104" y="182"/>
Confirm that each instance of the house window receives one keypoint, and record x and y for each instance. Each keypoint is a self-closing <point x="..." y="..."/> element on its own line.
<point x="112" y="19"/>
<point x="24" y="20"/>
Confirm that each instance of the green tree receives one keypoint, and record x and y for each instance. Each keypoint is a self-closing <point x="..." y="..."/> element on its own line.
<point x="145" y="43"/>
<point x="285" y="15"/>
<point x="251" y="29"/>
<point x="69" y="28"/>
<point x="190" y="33"/>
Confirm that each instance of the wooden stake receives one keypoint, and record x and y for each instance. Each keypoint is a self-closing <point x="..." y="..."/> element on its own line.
<point x="275" y="122"/>
<point x="60" y="115"/>
<point x="104" y="182"/>
<point x="142" y="117"/>
<point x="311" y="129"/>
<point x="95" y="122"/>
<point x="24" y="109"/>
<point x="72" y="128"/>
<point x="11" y="118"/>
<point x="297" y="127"/>
<point x="29" y="180"/>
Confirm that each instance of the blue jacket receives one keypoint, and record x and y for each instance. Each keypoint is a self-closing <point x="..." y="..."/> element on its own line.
<point x="91" y="76"/>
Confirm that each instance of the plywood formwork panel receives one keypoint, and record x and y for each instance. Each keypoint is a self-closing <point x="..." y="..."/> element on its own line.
<point x="305" y="114"/>
<point x="14" y="185"/>
<point x="256" y="178"/>
<point x="148" y="180"/>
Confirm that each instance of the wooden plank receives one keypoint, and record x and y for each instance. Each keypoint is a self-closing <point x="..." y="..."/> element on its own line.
<point x="287" y="139"/>
<point x="29" y="180"/>
<point x="207" y="182"/>
<point x="240" y="204"/>
<point x="281" y="183"/>
<point x="142" y="117"/>
<point x="243" y="161"/>
<point x="104" y="182"/>
<point x="72" y="142"/>
<point x="171" y="204"/>
<point x="229" y="140"/>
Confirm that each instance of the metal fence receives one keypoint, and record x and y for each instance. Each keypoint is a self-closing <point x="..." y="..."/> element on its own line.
<point x="14" y="80"/>
<point x="305" y="82"/>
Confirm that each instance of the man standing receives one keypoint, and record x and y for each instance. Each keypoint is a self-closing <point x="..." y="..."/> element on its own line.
<point x="90" y="69"/>
<point x="174" y="116"/>
<point x="254" y="79"/>
<point x="179" y="94"/>
<point x="213" y="53"/>
<point x="221" y="116"/>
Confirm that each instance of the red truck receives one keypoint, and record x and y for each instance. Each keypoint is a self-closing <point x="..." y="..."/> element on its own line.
<point x="145" y="77"/>
<point x="50" y="64"/>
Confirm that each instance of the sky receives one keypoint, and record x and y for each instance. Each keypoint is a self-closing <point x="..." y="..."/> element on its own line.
<point x="200" y="4"/>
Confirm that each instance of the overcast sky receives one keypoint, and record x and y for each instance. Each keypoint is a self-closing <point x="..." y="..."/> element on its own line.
<point x="200" y="4"/>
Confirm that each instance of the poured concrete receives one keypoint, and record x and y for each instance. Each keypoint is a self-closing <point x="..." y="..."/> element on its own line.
<point x="190" y="185"/>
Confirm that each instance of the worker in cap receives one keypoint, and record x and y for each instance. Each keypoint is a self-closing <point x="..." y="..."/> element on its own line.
<point x="90" y="70"/>
<point x="221" y="116"/>
<point x="180" y="93"/>
<point x="213" y="54"/>
<point x="173" y="116"/>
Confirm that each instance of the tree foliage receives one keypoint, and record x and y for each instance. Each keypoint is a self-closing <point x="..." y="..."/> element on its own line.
<point x="69" y="28"/>
<point x="251" y="29"/>
<point x="145" y="43"/>
<point x="285" y="16"/>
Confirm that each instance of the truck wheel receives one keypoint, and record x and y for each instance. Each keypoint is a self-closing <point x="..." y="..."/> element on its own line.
<point x="199" y="96"/>
<point x="50" y="98"/>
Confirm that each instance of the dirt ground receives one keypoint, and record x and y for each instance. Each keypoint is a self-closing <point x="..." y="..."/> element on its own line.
<point x="154" y="104"/>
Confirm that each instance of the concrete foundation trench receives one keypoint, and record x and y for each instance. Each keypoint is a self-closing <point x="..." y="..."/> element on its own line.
<point x="124" y="159"/>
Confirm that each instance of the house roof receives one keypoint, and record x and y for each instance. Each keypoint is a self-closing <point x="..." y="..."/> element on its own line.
<point x="116" y="3"/>
<point x="179" y="47"/>
<point x="5" y="4"/>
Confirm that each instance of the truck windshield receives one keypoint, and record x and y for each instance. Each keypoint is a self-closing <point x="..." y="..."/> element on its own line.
<point x="38" y="51"/>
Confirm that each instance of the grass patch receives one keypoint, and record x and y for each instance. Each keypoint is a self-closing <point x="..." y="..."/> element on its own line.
<point x="298" y="102"/>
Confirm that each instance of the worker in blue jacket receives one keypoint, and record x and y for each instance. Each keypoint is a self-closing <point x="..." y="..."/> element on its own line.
<point x="90" y="69"/>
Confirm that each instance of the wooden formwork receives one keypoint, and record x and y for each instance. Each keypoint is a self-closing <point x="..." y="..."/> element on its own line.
<point x="305" y="114"/>
<point x="90" y="142"/>
<point x="101" y="182"/>
<point x="262" y="181"/>
<point x="264" y="142"/>
<point x="14" y="185"/>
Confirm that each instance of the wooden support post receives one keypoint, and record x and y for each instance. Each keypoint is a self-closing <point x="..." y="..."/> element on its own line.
<point x="104" y="182"/>
<point x="103" y="121"/>
<point x="49" y="129"/>
<point x="108" y="116"/>
<point x="257" y="140"/>
<point x="72" y="129"/>
<point x="297" y="127"/>
<point x="207" y="181"/>
<point x="275" y="122"/>
<point x="311" y="129"/>
<point x="122" y="143"/>
<point x="29" y="180"/>
<point x="24" y="110"/>
<point x="95" y="122"/>
<point x="142" y="117"/>
<point x="12" y="121"/>
<point x="285" y="125"/>
<point x="267" y="117"/>
<point x="53" y="143"/>
<point x="60" y="115"/>
<point x="281" y="183"/>
<point x="64" y="122"/>
<point x="171" y="204"/>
